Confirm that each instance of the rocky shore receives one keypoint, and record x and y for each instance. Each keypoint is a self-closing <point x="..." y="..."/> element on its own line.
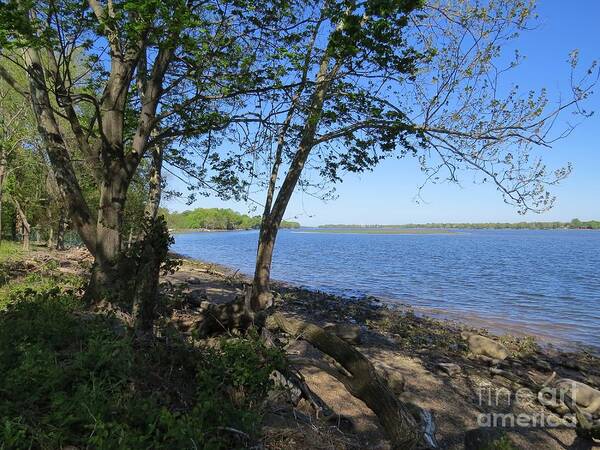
<point x="465" y="376"/>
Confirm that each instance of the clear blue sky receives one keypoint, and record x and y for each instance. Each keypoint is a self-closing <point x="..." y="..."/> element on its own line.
<point x="387" y="195"/>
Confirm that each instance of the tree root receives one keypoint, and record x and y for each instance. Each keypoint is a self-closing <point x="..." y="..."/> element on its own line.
<point x="221" y="318"/>
<point x="406" y="429"/>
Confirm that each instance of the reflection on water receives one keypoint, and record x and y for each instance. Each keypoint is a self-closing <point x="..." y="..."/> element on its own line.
<point x="540" y="282"/>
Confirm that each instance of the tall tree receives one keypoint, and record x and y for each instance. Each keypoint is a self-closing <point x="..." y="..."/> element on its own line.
<point x="17" y="129"/>
<point x="126" y="76"/>
<point x="378" y="79"/>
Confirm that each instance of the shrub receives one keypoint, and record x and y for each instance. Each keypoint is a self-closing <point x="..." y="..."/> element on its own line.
<point x="69" y="377"/>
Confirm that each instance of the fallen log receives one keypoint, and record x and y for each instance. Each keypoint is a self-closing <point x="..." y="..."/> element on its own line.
<point x="403" y="429"/>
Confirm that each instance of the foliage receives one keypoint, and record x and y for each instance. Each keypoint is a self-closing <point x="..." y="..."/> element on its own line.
<point x="71" y="378"/>
<point x="216" y="219"/>
<point x="502" y="443"/>
<point x="10" y="250"/>
<point x="520" y="346"/>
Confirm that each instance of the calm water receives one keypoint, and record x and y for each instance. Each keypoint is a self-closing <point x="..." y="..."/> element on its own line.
<point x="540" y="282"/>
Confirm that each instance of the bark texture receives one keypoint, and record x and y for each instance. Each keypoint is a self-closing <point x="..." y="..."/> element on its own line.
<point x="24" y="226"/>
<point x="361" y="380"/>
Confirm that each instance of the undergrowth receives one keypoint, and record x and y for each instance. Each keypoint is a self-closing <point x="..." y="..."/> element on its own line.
<point x="74" y="378"/>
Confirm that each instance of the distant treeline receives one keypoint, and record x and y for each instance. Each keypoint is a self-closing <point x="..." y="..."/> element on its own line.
<point x="216" y="219"/>
<point x="573" y="224"/>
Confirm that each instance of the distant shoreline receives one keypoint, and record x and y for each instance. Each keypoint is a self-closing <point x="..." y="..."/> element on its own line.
<point x="382" y="231"/>
<point x="574" y="224"/>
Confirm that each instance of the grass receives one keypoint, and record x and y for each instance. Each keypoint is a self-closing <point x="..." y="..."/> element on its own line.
<point x="11" y="250"/>
<point x="377" y="231"/>
<point x="73" y="377"/>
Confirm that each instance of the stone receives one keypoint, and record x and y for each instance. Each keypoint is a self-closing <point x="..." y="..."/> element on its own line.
<point x="348" y="332"/>
<point x="394" y="380"/>
<point x="481" y="345"/>
<point x="586" y="397"/>
<point x="449" y="368"/>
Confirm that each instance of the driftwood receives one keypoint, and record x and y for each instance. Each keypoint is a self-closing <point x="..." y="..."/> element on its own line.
<point x="403" y="429"/>
<point x="296" y="379"/>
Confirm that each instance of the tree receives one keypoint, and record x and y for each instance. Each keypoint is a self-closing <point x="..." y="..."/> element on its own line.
<point x="16" y="131"/>
<point x="126" y="77"/>
<point x="347" y="50"/>
<point x="373" y="80"/>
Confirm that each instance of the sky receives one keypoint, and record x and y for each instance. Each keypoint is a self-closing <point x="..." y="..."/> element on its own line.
<point x="388" y="194"/>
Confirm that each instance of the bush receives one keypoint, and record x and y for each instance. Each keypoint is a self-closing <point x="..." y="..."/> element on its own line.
<point x="70" y="377"/>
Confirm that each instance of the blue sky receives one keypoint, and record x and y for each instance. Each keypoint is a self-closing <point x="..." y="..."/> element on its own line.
<point x="388" y="194"/>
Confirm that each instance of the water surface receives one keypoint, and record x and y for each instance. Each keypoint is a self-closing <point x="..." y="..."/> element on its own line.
<point x="541" y="282"/>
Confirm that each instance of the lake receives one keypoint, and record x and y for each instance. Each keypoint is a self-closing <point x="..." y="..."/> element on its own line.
<point x="540" y="282"/>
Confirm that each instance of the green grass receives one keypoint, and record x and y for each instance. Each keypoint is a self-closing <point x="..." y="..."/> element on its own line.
<point x="378" y="231"/>
<point x="72" y="377"/>
<point x="11" y="250"/>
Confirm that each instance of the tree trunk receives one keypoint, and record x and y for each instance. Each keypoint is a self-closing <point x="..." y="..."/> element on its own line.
<point x="60" y="231"/>
<point x="104" y="280"/>
<point x="272" y="216"/>
<point x="2" y="176"/>
<point x="145" y="289"/>
<point x="25" y="227"/>
<point x="50" y="243"/>
<point x="154" y="251"/>
<point x="363" y="381"/>
<point x="56" y="148"/>
<point x="155" y="184"/>
<point x="261" y="291"/>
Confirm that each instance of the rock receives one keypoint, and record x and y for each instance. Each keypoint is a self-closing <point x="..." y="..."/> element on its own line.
<point x="481" y="345"/>
<point x="395" y="380"/>
<point x="486" y="359"/>
<point x="449" y="368"/>
<point x="593" y="380"/>
<point x="586" y="397"/>
<point x="542" y="364"/>
<point x="348" y="332"/>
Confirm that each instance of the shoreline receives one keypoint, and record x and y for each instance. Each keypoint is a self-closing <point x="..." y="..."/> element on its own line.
<point x="467" y="320"/>
<point x="432" y="361"/>
<point x="431" y="357"/>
